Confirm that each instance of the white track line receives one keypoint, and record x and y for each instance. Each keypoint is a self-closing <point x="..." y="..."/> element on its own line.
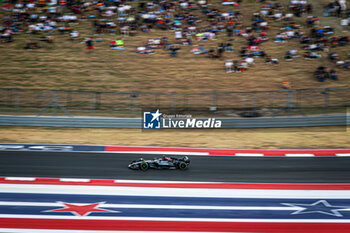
<point x="299" y="155"/>
<point x="174" y="192"/>
<point x="21" y="178"/>
<point x="343" y="155"/>
<point x="160" y="152"/>
<point x="18" y="230"/>
<point x="4" y="147"/>
<point x="74" y="180"/>
<point x="250" y="154"/>
<point x="164" y="182"/>
<point x="26" y="216"/>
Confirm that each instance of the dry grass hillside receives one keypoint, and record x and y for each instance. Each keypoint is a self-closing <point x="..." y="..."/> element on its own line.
<point x="66" y="64"/>
<point x="274" y="138"/>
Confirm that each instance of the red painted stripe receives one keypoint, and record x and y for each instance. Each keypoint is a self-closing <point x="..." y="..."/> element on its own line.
<point x="127" y="225"/>
<point x="227" y="151"/>
<point x="56" y="181"/>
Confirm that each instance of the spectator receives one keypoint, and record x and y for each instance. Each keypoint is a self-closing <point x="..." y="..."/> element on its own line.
<point x="291" y="54"/>
<point x="268" y="60"/>
<point x="89" y="44"/>
<point x="6" y="38"/>
<point x="74" y="35"/>
<point x="177" y="16"/>
<point x="249" y="61"/>
<point x="333" y="57"/>
<point x="229" y="66"/>
<point x="340" y="64"/>
<point x="333" y="75"/>
<point x="173" y="51"/>
<point x="321" y="74"/>
<point x="48" y="39"/>
<point x="344" y="40"/>
<point x="242" y="67"/>
<point x="274" y="61"/>
<point x="286" y="85"/>
<point x="195" y="50"/>
<point x="144" y="50"/>
<point x="346" y="64"/>
<point x="311" y="55"/>
<point x="344" y="23"/>
<point x="31" y="45"/>
<point x="178" y="35"/>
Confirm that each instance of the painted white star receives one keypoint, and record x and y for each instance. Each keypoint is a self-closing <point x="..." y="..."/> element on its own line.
<point x="321" y="206"/>
<point x="156" y="115"/>
<point x="81" y="209"/>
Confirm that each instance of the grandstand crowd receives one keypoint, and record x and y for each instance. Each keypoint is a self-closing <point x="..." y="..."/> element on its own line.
<point x="126" y="18"/>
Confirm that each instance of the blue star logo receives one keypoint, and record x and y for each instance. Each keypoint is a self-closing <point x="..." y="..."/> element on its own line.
<point x="151" y="120"/>
<point x="321" y="206"/>
<point x="156" y="115"/>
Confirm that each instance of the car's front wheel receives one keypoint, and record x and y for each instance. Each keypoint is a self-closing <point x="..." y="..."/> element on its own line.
<point x="183" y="166"/>
<point x="144" y="166"/>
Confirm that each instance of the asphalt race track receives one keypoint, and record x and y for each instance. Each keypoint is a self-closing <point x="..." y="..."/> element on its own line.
<point x="202" y="168"/>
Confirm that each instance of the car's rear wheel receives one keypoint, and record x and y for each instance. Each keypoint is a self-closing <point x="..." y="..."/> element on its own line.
<point x="183" y="166"/>
<point x="144" y="166"/>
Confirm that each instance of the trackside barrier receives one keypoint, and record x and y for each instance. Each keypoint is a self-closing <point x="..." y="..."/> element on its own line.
<point x="323" y="100"/>
<point x="100" y="122"/>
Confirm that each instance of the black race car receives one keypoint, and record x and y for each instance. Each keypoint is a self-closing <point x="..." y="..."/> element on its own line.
<point x="160" y="163"/>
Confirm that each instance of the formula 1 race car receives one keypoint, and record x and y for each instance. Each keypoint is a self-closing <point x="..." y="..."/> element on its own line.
<point x="160" y="163"/>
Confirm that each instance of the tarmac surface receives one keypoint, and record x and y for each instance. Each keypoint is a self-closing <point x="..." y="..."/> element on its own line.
<point x="202" y="168"/>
